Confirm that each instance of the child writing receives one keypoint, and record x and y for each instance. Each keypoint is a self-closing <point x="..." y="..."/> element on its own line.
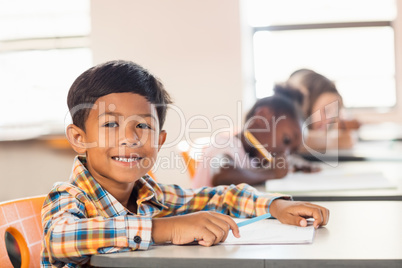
<point x="275" y="122"/>
<point x="110" y="204"/>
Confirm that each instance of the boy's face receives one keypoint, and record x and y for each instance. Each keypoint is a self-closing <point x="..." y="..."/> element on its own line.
<point x="122" y="138"/>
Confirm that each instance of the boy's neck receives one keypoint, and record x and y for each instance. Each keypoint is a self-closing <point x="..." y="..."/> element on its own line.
<point x="125" y="195"/>
<point x="127" y="198"/>
<point x="123" y="192"/>
<point x="132" y="202"/>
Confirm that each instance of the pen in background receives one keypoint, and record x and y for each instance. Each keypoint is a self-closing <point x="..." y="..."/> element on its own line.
<point x="258" y="145"/>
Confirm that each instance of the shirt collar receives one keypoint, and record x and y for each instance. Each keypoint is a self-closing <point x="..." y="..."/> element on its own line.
<point x="148" y="190"/>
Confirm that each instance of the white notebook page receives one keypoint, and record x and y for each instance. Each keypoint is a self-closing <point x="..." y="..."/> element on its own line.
<point x="271" y="231"/>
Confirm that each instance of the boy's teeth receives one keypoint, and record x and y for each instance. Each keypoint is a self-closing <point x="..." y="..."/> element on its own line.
<point x="124" y="159"/>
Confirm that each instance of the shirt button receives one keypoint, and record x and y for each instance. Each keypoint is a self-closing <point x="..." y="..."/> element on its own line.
<point x="137" y="239"/>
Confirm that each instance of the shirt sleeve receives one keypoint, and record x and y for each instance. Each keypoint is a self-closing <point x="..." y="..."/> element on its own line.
<point x="72" y="235"/>
<point x="240" y="201"/>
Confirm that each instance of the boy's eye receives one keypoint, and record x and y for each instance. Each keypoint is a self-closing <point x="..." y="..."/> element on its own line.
<point x="143" y="125"/>
<point x="111" y="124"/>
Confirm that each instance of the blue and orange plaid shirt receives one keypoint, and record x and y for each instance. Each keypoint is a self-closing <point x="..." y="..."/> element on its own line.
<point x="81" y="219"/>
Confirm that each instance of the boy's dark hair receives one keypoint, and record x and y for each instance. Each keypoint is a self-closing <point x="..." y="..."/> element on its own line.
<point x="115" y="77"/>
<point x="285" y="101"/>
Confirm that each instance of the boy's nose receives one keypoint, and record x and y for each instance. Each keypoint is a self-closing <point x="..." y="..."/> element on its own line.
<point x="131" y="144"/>
<point x="130" y="138"/>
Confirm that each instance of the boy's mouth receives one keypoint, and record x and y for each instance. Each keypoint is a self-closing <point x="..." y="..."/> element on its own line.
<point x="126" y="159"/>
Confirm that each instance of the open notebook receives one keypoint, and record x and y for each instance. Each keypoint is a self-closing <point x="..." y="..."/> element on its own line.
<point x="329" y="180"/>
<point x="271" y="231"/>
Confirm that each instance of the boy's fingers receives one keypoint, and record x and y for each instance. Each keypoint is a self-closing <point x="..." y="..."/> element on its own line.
<point x="231" y="222"/>
<point x="315" y="212"/>
<point x="324" y="213"/>
<point x="302" y="221"/>
<point x="216" y="231"/>
<point x="206" y="238"/>
<point x="223" y="225"/>
<point x="326" y="218"/>
<point x="295" y="220"/>
<point x="298" y="214"/>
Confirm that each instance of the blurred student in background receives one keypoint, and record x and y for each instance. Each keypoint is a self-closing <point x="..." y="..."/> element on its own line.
<point x="322" y="110"/>
<point x="231" y="159"/>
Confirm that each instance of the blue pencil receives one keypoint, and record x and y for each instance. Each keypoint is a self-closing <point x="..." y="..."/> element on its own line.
<point x="252" y="220"/>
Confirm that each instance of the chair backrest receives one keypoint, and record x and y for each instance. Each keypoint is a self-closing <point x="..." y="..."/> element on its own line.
<point x="190" y="154"/>
<point x="190" y="163"/>
<point x="22" y="219"/>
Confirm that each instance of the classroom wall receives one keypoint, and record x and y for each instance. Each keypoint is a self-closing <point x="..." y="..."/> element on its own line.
<point x="31" y="167"/>
<point x="193" y="46"/>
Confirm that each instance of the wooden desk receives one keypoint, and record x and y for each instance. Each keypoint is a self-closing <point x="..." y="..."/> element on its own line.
<point x="359" y="234"/>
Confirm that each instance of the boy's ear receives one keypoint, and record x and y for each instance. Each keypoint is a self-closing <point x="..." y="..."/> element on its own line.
<point x="161" y="139"/>
<point x="76" y="137"/>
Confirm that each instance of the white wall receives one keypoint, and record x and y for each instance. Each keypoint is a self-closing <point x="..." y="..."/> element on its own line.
<point x="193" y="46"/>
<point x="31" y="167"/>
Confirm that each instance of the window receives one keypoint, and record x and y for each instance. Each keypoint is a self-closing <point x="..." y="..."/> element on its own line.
<point x="349" y="41"/>
<point x="44" y="46"/>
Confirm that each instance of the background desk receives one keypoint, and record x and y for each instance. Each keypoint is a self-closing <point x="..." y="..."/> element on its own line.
<point x="384" y="156"/>
<point x="359" y="234"/>
<point x="362" y="151"/>
<point x="392" y="170"/>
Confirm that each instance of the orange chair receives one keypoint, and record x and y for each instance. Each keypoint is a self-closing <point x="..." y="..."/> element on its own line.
<point x="189" y="154"/>
<point x="22" y="219"/>
<point x="190" y="162"/>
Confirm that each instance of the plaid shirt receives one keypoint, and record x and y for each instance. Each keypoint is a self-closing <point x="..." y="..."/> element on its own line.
<point x="81" y="219"/>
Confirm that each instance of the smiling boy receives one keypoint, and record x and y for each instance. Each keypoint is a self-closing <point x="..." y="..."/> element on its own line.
<point x="110" y="204"/>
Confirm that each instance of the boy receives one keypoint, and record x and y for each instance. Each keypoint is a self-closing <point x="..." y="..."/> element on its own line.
<point x="232" y="159"/>
<point x="110" y="204"/>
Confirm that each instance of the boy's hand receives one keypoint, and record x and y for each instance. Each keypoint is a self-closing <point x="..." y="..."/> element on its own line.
<point x="207" y="228"/>
<point x="296" y="213"/>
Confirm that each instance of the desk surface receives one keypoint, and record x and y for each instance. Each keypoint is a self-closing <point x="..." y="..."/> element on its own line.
<point x="359" y="234"/>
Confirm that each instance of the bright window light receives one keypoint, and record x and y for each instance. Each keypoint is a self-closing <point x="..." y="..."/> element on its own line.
<point x="349" y="41"/>
<point x="269" y="12"/>
<point x="24" y="19"/>
<point x="34" y="85"/>
<point x="44" y="46"/>
<point x="359" y="60"/>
